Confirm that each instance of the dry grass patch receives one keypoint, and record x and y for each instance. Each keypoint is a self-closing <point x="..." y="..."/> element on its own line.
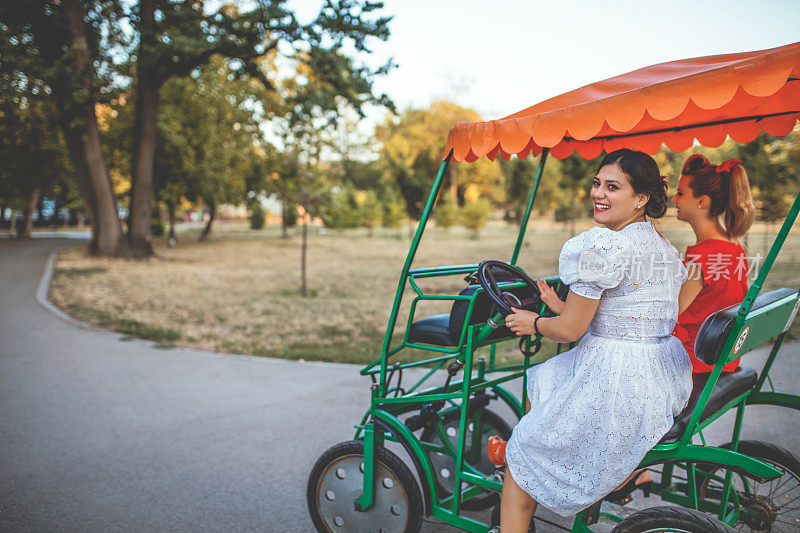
<point x="239" y="292"/>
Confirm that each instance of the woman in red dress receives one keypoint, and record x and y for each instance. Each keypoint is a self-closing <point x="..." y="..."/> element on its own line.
<point x="717" y="263"/>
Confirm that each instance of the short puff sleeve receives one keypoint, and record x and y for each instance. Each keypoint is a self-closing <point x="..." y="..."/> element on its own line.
<point x="594" y="261"/>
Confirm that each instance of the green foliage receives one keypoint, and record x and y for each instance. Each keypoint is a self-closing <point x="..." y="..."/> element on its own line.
<point x="156" y="227"/>
<point x="348" y="208"/>
<point x="474" y="214"/>
<point x="32" y="147"/>
<point x="257" y="215"/>
<point x="412" y="154"/>
<point x="341" y="210"/>
<point x="447" y="213"/>
<point x="394" y="214"/>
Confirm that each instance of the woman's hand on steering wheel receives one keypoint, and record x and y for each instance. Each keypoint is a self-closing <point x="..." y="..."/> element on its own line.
<point x="521" y="321"/>
<point x="549" y="297"/>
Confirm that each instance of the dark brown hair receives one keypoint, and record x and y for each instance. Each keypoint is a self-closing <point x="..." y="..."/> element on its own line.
<point x="727" y="188"/>
<point x="644" y="176"/>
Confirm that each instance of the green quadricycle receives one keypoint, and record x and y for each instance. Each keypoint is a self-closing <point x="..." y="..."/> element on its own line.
<point x="444" y="419"/>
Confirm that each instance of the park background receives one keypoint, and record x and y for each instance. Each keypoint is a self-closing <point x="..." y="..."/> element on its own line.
<point x="250" y="173"/>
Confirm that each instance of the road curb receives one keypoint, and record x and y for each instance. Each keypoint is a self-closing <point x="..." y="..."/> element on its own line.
<point x="41" y="299"/>
<point x="41" y="295"/>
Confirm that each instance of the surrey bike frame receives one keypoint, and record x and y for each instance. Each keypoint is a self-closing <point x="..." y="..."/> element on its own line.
<point x="388" y="403"/>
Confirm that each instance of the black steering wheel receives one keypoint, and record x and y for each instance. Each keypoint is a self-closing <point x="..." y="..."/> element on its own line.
<point x="503" y="300"/>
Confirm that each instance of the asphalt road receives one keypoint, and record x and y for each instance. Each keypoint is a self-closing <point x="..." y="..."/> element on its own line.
<point x="101" y="433"/>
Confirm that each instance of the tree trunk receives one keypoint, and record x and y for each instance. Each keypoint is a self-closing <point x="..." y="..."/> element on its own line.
<point x="145" y="131"/>
<point x="212" y="213"/>
<point x="303" y="283"/>
<point x="172" y="239"/>
<point x="79" y="122"/>
<point x="26" y="224"/>
<point x="2" y="215"/>
<point x="40" y="211"/>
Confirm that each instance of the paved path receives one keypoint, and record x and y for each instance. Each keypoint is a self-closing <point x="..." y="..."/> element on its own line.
<point x="98" y="433"/>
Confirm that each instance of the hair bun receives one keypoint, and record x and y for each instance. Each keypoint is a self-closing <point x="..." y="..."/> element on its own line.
<point x="657" y="205"/>
<point x="694" y="163"/>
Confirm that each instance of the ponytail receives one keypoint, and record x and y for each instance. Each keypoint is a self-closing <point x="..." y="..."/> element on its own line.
<point x="740" y="212"/>
<point x="727" y="187"/>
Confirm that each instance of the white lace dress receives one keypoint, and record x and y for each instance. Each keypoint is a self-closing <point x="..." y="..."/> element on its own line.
<point x="597" y="409"/>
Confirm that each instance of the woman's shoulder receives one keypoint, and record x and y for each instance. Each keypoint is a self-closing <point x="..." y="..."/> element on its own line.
<point x="600" y="240"/>
<point x="714" y="246"/>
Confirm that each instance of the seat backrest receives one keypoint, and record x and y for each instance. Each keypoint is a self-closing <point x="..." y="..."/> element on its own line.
<point x="772" y="314"/>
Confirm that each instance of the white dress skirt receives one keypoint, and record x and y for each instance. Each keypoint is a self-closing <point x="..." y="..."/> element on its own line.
<point x="597" y="409"/>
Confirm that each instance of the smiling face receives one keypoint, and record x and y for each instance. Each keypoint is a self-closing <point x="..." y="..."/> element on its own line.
<point x="615" y="201"/>
<point x="688" y="206"/>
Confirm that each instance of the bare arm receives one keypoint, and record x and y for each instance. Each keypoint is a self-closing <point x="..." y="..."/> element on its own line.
<point x="566" y="327"/>
<point x="690" y="288"/>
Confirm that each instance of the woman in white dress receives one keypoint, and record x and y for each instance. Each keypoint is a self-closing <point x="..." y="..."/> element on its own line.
<point x="596" y="410"/>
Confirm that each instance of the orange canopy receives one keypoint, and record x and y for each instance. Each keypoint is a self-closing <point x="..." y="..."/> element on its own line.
<point x="707" y="98"/>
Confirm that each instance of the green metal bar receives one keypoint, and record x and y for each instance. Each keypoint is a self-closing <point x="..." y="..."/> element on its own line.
<point x="430" y="348"/>
<point x="426" y="213"/>
<point x="524" y="222"/>
<point x="578" y="525"/>
<point x="483" y="481"/>
<point x="771" y="359"/>
<point x="416" y="399"/>
<point x="666" y="477"/>
<point x="721" y="411"/>
<point x="780" y="399"/>
<point x="401" y="431"/>
<point x="758" y="470"/>
<point x="691" y="471"/>
<point x="477" y="434"/>
<point x="364" y="501"/>
<point x="413" y="283"/>
<point x="461" y="522"/>
<point x="737" y="431"/>
<point x="449" y="270"/>
<point x="462" y="419"/>
<point x="426" y="376"/>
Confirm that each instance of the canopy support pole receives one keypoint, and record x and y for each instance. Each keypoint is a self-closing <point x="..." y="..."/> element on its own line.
<point x="777" y="244"/>
<point x="524" y="222"/>
<point x="423" y="221"/>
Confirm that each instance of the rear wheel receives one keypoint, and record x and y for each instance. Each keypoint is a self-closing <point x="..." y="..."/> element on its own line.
<point x="444" y="464"/>
<point x="670" y="520"/>
<point x="336" y="482"/>
<point x="773" y="506"/>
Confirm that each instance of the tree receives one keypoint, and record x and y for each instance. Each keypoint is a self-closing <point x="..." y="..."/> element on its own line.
<point x="75" y="45"/>
<point x="412" y="152"/>
<point x="576" y="177"/>
<point x="62" y="44"/>
<point x="31" y="147"/>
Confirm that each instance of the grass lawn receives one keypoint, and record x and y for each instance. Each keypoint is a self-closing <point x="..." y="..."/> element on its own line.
<point x="239" y="291"/>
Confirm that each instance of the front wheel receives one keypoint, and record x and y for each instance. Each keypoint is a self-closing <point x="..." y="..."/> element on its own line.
<point x="336" y="482"/>
<point x="671" y="520"/>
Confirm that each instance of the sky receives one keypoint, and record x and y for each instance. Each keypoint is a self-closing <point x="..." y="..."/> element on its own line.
<point x="501" y="56"/>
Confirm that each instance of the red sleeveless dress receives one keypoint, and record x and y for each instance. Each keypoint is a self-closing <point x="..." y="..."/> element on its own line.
<point x="724" y="265"/>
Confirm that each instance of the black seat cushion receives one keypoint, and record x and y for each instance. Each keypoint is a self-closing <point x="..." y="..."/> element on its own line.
<point x="714" y="332"/>
<point x="433" y="329"/>
<point x="729" y="386"/>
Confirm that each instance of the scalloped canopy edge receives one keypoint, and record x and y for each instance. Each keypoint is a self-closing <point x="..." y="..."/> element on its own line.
<point x="703" y="99"/>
